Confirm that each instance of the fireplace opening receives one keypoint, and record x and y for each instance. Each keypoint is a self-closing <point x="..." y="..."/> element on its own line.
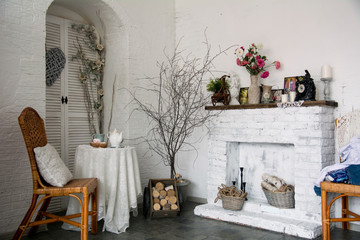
<point x="257" y="158"/>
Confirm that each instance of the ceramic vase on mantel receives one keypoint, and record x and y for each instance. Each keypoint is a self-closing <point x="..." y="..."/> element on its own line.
<point x="254" y="90"/>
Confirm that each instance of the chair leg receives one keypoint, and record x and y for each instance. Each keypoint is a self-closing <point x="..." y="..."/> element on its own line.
<point x="39" y="216"/>
<point x="85" y="217"/>
<point x="325" y="220"/>
<point x="23" y="225"/>
<point x="94" y="209"/>
<point x="345" y="208"/>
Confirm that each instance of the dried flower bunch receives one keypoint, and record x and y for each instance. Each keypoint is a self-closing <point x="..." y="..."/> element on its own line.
<point x="253" y="61"/>
<point x="91" y="71"/>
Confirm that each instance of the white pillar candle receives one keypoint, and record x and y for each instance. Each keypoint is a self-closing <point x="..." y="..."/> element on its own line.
<point x="292" y="96"/>
<point x="326" y="71"/>
<point x="284" y="98"/>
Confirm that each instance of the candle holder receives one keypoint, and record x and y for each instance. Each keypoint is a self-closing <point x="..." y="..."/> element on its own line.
<point x="241" y="178"/>
<point x="326" y="88"/>
<point x="243" y="187"/>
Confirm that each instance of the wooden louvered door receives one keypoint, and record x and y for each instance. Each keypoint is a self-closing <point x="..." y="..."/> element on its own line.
<point x="66" y="122"/>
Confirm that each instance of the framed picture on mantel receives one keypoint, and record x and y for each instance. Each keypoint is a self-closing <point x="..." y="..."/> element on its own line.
<point x="290" y="83"/>
<point x="276" y="95"/>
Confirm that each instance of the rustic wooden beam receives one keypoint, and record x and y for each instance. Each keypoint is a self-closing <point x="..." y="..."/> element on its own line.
<point x="271" y="105"/>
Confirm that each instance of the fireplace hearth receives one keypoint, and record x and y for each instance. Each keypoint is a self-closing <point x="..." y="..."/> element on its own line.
<point x="292" y="143"/>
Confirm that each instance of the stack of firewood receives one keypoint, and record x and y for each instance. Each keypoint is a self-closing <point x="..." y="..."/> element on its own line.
<point x="164" y="198"/>
<point x="231" y="191"/>
<point x="275" y="184"/>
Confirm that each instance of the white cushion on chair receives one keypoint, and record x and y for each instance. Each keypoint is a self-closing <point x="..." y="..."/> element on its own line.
<point x="51" y="166"/>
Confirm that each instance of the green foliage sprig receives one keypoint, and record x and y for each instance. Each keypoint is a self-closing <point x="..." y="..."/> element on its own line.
<point x="215" y="85"/>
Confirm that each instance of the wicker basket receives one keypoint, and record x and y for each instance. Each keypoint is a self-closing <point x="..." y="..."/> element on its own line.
<point x="232" y="203"/>
<point x="280" y="199"/>
<point x="100" y="144"/>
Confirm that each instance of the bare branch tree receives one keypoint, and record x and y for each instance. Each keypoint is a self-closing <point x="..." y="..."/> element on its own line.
<point x="181" y="102"/>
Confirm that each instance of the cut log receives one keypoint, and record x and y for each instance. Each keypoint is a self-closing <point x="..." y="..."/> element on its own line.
<point x="163" y="193"/>
<point x="167" y="207"/>
<point x="156" y="200"/>
<point x="155" y="194"/>
<point x="163" y="202"/>
<point x="274" y="180"/>
<point x="174" y="207"/>
<point x="167" y="198"/>
<point x="169" y="187"/>
<point x="268" y="186"/>
<point x="172" y="199"/>
<point x="157" y="207"/>
<point x="171" y="192"/>
<point x="159" y="186"/>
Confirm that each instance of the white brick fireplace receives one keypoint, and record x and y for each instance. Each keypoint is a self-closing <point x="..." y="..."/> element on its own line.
<point x="292" y="143"/>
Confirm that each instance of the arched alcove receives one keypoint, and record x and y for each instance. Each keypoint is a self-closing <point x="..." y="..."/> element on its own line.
<point x="113" y="35"/>
<point x="111" y="24"/>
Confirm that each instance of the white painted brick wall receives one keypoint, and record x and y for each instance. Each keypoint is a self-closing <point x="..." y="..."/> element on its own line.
<point x="22" y="69"/>
<point x="309" y="129"/>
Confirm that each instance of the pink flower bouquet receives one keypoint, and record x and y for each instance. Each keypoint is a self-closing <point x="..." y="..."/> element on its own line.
<point x="253" y="61"/>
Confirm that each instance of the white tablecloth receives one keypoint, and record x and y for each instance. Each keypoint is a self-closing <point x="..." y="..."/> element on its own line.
<point x="119" y="187"/>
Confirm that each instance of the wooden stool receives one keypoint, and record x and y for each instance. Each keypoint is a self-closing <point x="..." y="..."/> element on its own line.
<point x="345" y="191"/>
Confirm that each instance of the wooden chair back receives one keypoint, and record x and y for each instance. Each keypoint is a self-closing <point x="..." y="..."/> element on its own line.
<point x="33" y="129"/>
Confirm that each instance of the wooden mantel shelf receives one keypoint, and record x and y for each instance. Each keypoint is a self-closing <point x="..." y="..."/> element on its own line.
<point x="270" y="105"/>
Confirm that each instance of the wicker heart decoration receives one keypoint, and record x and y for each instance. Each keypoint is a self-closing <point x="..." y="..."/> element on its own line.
<point x="55" y="63"/>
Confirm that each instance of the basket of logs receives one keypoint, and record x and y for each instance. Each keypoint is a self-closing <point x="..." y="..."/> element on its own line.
<point x="277" y="192"/>
<point x="231" y="197"/>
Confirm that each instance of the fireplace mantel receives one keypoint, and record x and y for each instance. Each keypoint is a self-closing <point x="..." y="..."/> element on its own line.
<point x="270" y="105"/>
<point x="308" y="130"/>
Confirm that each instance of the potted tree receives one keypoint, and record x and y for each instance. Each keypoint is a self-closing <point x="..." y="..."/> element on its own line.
<point x="181" y="101"/>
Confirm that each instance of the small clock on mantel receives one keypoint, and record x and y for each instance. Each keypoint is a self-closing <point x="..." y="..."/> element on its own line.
<point x="305" y="88"/>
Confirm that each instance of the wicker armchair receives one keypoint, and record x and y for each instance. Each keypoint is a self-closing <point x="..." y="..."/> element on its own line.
<point x="345" y="191"/>
<point x="32" y="127"/>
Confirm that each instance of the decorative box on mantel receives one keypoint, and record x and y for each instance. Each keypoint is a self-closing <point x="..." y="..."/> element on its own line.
<point x="293" y="143"/>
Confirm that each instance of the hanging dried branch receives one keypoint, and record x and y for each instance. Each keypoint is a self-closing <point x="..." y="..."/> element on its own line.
<point x="91" y="74"/>
<point x="181" y="101"/>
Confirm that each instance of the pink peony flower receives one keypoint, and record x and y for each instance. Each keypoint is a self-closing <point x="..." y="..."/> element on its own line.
<point x="264" y="74"/>
<point x="238" y="62"/>
<point x="260" y="63"/>
<point x="243" y="63"/>
<point x="277" y="64"/>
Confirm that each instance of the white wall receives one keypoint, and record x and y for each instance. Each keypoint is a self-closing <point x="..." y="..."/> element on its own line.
<point x="22" y="74"/>
<point x="300" y="34"/>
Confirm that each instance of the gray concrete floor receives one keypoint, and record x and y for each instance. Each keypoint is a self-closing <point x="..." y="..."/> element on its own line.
<point x="185" y="226"/>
